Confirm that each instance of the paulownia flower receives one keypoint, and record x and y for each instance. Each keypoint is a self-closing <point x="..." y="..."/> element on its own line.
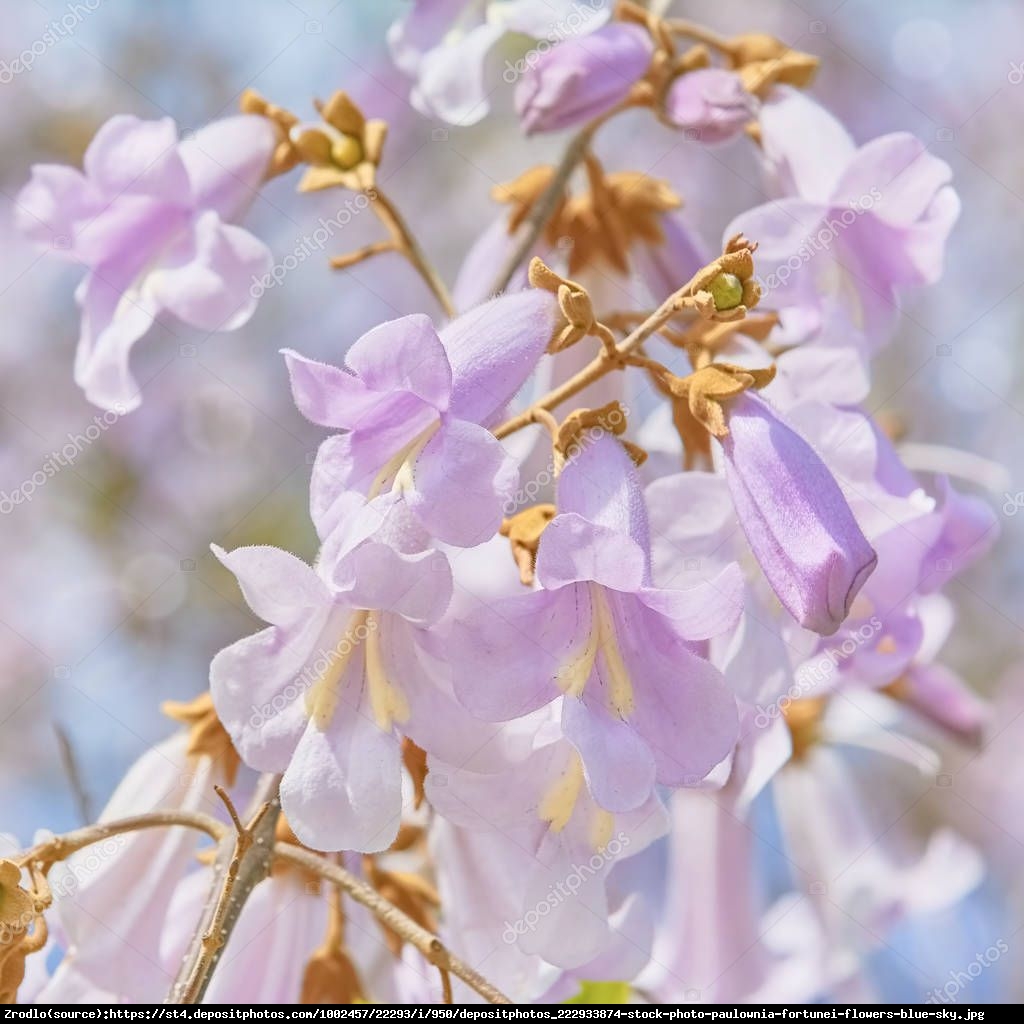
<point x="560" y="847"/>
<point x="415" y="404"/>
<point x="799" y="525"/>
<point x="444" y="46"/>
<point x="582" y="77"/>
<point x="152" y="220"/>
<point x="344" y="669"/>
<point x="712" y="103"/>
<point x="641" y="704"/>
<point x="882" y="212"/>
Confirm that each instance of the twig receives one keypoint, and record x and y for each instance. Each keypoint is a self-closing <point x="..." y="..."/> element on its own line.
<point x="389" y="915"/>
<point x="446" y="985"/>
<point x="58" y="848"/>
<point x="545" y="205"/>
<point x="700" y="34"/>
<point x="243" y="861"/>
<point x="608" y="359"/>
<point x="70" y="762"/>
<point x="406" y="243"/>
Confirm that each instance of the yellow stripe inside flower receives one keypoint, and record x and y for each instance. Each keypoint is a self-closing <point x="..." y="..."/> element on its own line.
<point x="559" y="803"/>
<point x="387" y="701"/>
<point x="573" y="675"/>
<point x="322" y="697"/>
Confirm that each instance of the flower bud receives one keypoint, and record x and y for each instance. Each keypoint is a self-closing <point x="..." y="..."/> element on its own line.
<point x="711" y="103"/>
<point x="582" y="78"/>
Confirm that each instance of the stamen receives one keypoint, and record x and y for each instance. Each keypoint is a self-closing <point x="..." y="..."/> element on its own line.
<point x="399" y="467"/>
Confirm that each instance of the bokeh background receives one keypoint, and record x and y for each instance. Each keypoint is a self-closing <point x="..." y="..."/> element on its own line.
<point x="110" y="601"/>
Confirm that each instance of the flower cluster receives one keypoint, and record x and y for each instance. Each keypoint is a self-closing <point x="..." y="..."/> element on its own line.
<point x="539" y="726"/>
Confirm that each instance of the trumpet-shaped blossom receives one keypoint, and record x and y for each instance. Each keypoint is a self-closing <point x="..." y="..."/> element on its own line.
<point x="641" y="704"/>
<point x="836" y="825"/>
<point x="582" y="77"/>
<point x="444" y="44"/>
<point x="564" y="846"/>
<point x="341" y="673"/>
<point x="877" y="216"/>
<point x="415" y="405"/>
<point x="113" y="899"/>
<point x="794" y="515"/>
<point x="151" y="218"/>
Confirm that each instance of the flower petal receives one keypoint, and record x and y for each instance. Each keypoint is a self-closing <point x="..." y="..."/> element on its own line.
<point x="417" y="587"/>
<point x="140" y="157"/>
<point x="259" y="686"/>
<point x="55" y="199"/>
<point x="804" y="146"/>
<point x="280" y="588"/>
<point x="619" y="765"/>
<point x="227" y="162"/>
<point x="506" y="655"/>
<point x="209" y="279"/>
<point x="461" y="481"/>
<point x="705" y="610"/>
<point x="111" y="324"/>
<point x="450" y="83"/>
<point x="398" y="370"/>
<point x="683" y="709"/>
<point x="574" y="550"/>
<point x="494" y="348"/>
<point x="796" y="519"/>
<point x="343" y="788"/>
<point x="599" y="482"/>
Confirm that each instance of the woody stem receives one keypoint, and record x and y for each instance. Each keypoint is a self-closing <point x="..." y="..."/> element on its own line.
<point x="698" y="33"/>
<point x="610" y="358"/>
<point x="541" y="211"/>
<point x="406" y="243"/>
<point x="244" y="858"/>
<point x="57" y="848"/>
<point x="391" y="917"/>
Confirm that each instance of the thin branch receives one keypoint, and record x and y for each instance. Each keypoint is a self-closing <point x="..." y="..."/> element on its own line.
<point x="608" y="359"/>
<point x="698" y="33"/>
<point x="58" y="848"/>
<point x="391" y="917"/>
<point x="545" y="206"/>
<point x="70" y="763"/>
<point x="406" y="243"/>
<point x="243" y="861"/>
